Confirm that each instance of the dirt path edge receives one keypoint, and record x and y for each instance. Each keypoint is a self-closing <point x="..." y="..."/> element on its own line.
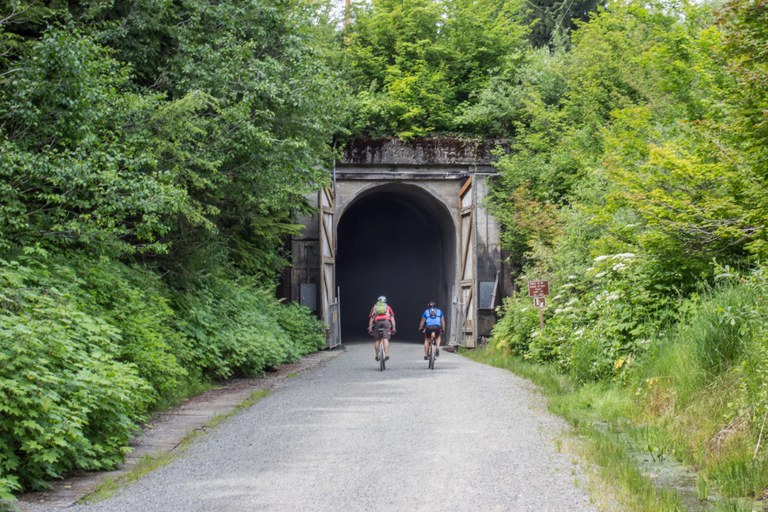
<point x="166" y="431"/>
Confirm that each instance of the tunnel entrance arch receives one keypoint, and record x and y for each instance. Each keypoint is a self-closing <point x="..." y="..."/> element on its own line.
<point x="400" y="195"/>
<point x="396" y="240"/>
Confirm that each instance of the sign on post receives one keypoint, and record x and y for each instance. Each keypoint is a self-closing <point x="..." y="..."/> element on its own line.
<point x="538" y="290"/>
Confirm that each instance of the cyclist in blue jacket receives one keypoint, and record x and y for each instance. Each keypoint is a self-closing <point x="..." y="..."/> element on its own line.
<point x="432" y="320"/>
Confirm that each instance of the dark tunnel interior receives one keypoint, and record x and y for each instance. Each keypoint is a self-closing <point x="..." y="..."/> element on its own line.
<point x="396" y="241"/>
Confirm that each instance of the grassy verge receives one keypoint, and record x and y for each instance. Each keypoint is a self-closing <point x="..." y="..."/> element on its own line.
<point x="612" y="431"/>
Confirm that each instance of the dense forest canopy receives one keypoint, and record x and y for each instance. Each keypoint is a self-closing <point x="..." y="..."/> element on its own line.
<point x="162" y="126"/>
<point x="155" y="154"/>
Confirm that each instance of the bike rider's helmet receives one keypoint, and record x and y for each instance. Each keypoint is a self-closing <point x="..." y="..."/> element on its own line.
<point x="432" y="304"/>
<point x="381" y="299"/>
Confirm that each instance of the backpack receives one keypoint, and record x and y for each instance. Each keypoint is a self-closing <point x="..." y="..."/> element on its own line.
<point x="380" y="308"/>
<point x="432" y="312"/>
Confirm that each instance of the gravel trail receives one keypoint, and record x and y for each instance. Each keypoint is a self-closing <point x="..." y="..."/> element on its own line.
<point x="345" y="436"/>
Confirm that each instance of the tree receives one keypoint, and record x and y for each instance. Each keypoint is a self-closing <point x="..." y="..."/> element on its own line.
<point x="415" y="65"/>
<point x="552" y="20"/>
<point x="745" y="29"/>
<point x="76" y="159"/>
<point x="166" y="124"/>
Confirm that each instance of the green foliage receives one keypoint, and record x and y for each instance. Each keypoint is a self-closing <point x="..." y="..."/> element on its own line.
<point x="552" y="21"/>
<point x="238" y="329"/>
<point x="185" y="140"/>
<point x="701" y="202"/>
<point x="598" y="323"/>
<point x="624" y="156"/>
<point x="526" y="85"/>
<point x="260" y="140"/>
<point x="132" y="300"/>
<point x="742" y="134"/>
<point x="305" y="330"/>
<point x="517" y="326"/>
<point x="89" y="346"/>
<point x="744" y="25"/>
<point x="67" y="402"/>
<point x="85" y="174"/>
<point x="413" y="66"/>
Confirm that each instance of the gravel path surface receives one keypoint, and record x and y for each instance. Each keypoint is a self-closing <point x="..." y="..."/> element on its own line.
<point x="346" y="436"/>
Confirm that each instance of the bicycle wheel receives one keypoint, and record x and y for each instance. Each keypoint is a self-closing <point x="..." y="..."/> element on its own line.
<point x="431" y="356"/>
<point x="382" y="363"/>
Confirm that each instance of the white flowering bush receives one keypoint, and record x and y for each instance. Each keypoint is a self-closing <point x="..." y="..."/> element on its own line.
<point x="517" y="326"/>
<point x="599" y="321"/>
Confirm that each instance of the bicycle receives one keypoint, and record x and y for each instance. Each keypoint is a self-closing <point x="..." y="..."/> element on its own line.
<point x="382" y="359"/>
<point x="431" y="351"/>
<point x="380" y="353"/>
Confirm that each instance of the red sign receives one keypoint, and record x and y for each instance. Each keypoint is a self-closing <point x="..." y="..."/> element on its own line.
<point x="538" y="288"/>
<point x="539" y="302"/>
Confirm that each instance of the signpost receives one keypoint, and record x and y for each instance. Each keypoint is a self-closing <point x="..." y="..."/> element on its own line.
<point x="538" y="290"/>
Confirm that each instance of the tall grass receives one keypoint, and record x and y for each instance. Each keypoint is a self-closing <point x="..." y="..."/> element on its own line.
<point x="597" y="412"/>
<point x="711" y="375"/>
<point x="699" y="396"/>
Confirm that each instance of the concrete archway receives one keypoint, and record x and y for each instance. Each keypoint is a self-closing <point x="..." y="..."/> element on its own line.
<point x="396" y="240"/>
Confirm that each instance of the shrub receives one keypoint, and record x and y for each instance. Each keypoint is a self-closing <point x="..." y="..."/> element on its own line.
<point x="237" y="328"/>
<point x="517" y="324"/>
<point x="303" y="328"/>
<point x="66" y="402"/>
<point x="597" y="323"/>
<point x="132" y="300"/>
<point x="88" y="346"/>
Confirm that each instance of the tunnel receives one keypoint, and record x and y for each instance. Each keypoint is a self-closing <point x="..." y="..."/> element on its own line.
<point x="399" y="241"/>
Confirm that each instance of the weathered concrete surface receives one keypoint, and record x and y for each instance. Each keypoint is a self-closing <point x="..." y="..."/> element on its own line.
<point x="166" y="431"/>
<point x="428" y="150"/>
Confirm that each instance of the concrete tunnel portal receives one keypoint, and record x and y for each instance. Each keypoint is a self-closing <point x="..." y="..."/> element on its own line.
<point x="396" y="240"/>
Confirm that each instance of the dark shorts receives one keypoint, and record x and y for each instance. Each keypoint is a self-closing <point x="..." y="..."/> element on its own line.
<point x="382" y="324"/>
<point x="428" y="330"/>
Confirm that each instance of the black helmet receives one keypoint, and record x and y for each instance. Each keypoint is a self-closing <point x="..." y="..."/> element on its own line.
<point x="432" y="305"/>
